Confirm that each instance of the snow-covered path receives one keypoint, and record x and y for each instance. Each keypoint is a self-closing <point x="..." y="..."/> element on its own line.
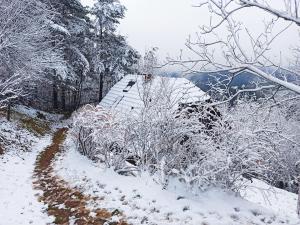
<point x="68" y="205"/>
<point x="18" y="201"/>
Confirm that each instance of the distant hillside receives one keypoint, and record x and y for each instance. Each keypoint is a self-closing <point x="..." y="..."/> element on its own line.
<point x="233" y="81"/>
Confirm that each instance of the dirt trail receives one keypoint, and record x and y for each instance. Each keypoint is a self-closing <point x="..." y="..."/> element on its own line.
<point x="66" y="204"/>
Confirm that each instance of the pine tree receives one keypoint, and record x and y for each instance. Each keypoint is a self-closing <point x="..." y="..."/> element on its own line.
<point x="94" y="55"/>
<point x="113" y="56"/>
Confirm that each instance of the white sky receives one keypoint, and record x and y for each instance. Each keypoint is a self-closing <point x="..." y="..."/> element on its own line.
<point x="166" y="24"/>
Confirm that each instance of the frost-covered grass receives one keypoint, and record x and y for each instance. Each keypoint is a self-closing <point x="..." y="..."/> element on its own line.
<point x="26" y="121"/>
<point x="33" y="113"/>
<point x="25" y="127"/>
<point x="143" y="201"/>
<point x="14" y="137"/>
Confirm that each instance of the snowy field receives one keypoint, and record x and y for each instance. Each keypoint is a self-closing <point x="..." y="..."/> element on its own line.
<point x="144" y="202"/>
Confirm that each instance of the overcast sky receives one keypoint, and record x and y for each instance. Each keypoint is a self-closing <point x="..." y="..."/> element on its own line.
<point x="166" y="24"/>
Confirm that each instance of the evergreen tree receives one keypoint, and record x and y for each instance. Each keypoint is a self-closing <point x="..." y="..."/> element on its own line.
<point x="113" y="56"/>
<point x="70" y="31"/>
<point x="95" y="56"/>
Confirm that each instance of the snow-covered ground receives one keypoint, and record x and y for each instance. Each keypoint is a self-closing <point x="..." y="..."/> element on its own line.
<point x="18" y="201"/>
<point x="141" y="199"/>
<point x="33" y="113"/>
<point x="280" y="201"/>
<point x="13" y="137"/>
<point x="144" y="202"/>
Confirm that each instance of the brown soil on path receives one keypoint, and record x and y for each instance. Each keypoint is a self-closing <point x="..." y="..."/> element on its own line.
<point x="66" y="204"/>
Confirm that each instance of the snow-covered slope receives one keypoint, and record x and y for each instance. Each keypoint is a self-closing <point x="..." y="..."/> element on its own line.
<point x="13" y="137"/>
<point x="33" y="113"/>
<point x="280" y="201"/>
<point x="144" y="202"/>
<point x="18" y="201"/>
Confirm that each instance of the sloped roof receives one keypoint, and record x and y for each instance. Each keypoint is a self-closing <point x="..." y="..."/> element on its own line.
<point x="127" y="94"/>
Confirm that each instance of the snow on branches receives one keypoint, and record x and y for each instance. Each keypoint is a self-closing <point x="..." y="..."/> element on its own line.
<point x="99" y="135"/>
<point x="25" y="51"/>
<point x="246" y="141"/>
<point x="227" y="43"/>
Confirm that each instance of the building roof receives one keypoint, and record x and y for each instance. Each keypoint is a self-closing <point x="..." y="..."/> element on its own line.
<point x="127" y="94"/>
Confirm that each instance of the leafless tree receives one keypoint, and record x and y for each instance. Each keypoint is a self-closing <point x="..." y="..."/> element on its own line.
<point x="25" y="51"/>
<point x="219" y="50"/>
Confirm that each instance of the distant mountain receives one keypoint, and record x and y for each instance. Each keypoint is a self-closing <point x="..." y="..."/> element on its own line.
<point x="234" y="81"/>
<point x="224" y="79"/>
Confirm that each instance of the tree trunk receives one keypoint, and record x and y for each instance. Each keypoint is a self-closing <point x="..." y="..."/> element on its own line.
<point x="8" y="113"/>
<point x="63" y="98"/>
<point x="74" y="99"/>
<point x="55" y="96"/>
<point x="298" y="205"/>
<point x="79" y="85"/>
<point x="101" y="87"/>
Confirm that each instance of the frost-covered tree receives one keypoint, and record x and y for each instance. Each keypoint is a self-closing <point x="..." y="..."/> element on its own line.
<point x="25" y="51"/>
<point x="108" y="13"/>
<point x="112" y="57"/>
<point x="149" y="63"/>
<point x="70" y="32"/>
<point x="226" y="43"/>
<point x="94" y="56"/>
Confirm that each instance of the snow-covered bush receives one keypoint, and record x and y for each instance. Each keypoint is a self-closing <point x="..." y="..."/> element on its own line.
<point x="246" y="141"/>
<point x="262" y="142"/>
<point x="284" y="133"/>
<point x="99" y="135"/>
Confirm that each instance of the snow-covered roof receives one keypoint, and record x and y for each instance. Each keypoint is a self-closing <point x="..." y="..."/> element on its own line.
<point x="127" y="94"/>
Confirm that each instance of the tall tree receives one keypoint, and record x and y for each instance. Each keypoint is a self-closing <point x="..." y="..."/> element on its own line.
<point x="113" y="56"/>
<point x="95" y="57"/>
<point x="70" y="31"/>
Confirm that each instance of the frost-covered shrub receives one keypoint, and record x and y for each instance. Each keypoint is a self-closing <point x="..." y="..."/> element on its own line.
<point x="246" y="141"/>
<point x="284" y="132"/>
<point x="262" y="142"/>
<point x="167" y="146"/>
<point x="82" y="128"/>
<point x="161" y="141"/>
<point x="99" y="135"/>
